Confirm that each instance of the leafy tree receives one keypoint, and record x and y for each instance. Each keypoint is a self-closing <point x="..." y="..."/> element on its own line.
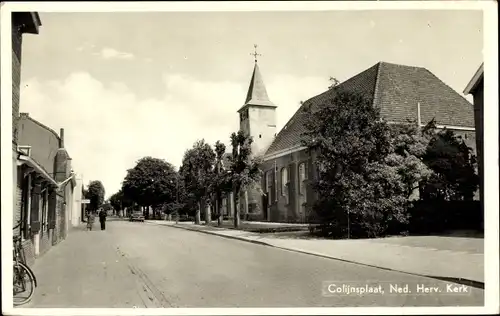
<point x="454" y="168"/>
<point x="333" y="83"/>
<point x="365" y="176"/>
<point x="409" y="148"/>
<point x="176" y="207"/>
<point x="119" y="201"/>
<point x="187" y="203"/>
<point x="95" y="193"/>
<point x="221" y="184"/>
<point x="106" y="206"/>
<point x="197" y="173"/>
<point x="243" y="171"/>
<point x="150" y="183"/>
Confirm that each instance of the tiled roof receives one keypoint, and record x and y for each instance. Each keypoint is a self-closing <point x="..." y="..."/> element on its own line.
<point x="257" y="93"/>
<point x="397" y="89"/>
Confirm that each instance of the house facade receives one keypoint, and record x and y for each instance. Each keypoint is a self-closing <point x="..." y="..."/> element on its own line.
<point x="22" y="23"/>
<point x="46" y="187"/>
<point x="401" y="92"/>
<point x="42" y="176"/>
<point x="476" y="88"/>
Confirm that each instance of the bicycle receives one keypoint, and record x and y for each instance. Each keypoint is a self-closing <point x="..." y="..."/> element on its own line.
<point x="24" y="278"/>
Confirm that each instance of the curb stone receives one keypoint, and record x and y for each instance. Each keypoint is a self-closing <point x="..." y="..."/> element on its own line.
<point x="468" y="282"/>
<point x="215" y="234"/>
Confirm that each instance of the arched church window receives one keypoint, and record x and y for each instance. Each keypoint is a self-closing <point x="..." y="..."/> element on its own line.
<point x="284" y="181"/>
<point x="302" y="178"/>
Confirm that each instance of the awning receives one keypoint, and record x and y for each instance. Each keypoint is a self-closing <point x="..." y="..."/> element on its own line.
<point x="22" y="159"/>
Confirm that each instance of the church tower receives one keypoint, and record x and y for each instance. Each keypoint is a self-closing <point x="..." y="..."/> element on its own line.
<point x="258" y="114"/>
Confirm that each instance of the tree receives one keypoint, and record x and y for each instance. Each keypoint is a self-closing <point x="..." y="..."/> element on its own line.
<point x="454" y="168"/>
<point x="197" y="173"/>
<point x="95" y="193"/>
<point x="243" y="171"/>
<point x="333" y="83"/>
<point x="119" y="201"/>
<point x="410" y="144"/>
<point x="221" y="181"/>
<point x="365" y="176"/>
<point x="150" y="183"/>
<point x="106" y="206"/>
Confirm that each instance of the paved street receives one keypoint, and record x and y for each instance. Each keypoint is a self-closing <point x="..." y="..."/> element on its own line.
<point x="147" y="265"/>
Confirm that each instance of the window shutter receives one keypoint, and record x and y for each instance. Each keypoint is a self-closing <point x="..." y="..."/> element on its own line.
<point x="35" y="204"/>
<point x="52" y="209"/>
<point x="26" y="196"/>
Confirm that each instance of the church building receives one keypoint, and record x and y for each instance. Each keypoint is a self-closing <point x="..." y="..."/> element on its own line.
<point x="402" y="92"/>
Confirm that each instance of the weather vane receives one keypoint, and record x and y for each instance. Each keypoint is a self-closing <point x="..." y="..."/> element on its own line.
<point x="255" y="54"/>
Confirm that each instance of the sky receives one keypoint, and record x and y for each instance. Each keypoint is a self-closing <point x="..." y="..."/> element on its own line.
<point x="128" y="85"/>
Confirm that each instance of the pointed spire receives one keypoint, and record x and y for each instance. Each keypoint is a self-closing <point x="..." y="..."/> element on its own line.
<point x="257" y="93"/>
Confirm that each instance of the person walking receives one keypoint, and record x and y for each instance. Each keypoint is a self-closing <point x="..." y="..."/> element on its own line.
<point x="102" y="219"/>
<point x="90" y="220"/>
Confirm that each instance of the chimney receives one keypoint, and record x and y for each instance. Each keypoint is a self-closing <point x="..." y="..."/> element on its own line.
<point x="61" y="138"/>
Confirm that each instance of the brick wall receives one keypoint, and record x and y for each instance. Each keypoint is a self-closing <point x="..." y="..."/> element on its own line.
<point x="291" y="206"/>
<point x="16" y="78"/>
<point x="29" y="251"/>
<point x="45" y="241"/>
<point x="58" y="233"/>
<point x="18" y="194"/>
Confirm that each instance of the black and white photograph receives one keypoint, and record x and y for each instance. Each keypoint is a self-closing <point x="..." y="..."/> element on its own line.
<point x="259" y="158"/>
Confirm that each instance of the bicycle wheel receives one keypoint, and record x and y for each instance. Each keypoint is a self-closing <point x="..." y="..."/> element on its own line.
<point x="24" y="284"/>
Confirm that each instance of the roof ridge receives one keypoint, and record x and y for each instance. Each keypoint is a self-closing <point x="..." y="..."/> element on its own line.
<point x="377" y="80"/>
<point x="26" y="115"/>
<point x="400" y="65"/>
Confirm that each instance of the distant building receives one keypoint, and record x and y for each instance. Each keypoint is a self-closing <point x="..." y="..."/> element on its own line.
<point x="476" y="88"/>
<point x="401" y="92"/>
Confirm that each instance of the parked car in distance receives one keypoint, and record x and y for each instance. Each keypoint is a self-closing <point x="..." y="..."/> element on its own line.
<point x="136" y="217"/>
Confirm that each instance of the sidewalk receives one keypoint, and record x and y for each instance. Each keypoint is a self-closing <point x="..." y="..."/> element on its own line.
<point x="459" y="266"/>
<point x="86" y="270"/>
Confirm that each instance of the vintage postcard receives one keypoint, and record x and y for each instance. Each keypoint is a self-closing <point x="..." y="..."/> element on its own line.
<point x="249" y="158"/>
